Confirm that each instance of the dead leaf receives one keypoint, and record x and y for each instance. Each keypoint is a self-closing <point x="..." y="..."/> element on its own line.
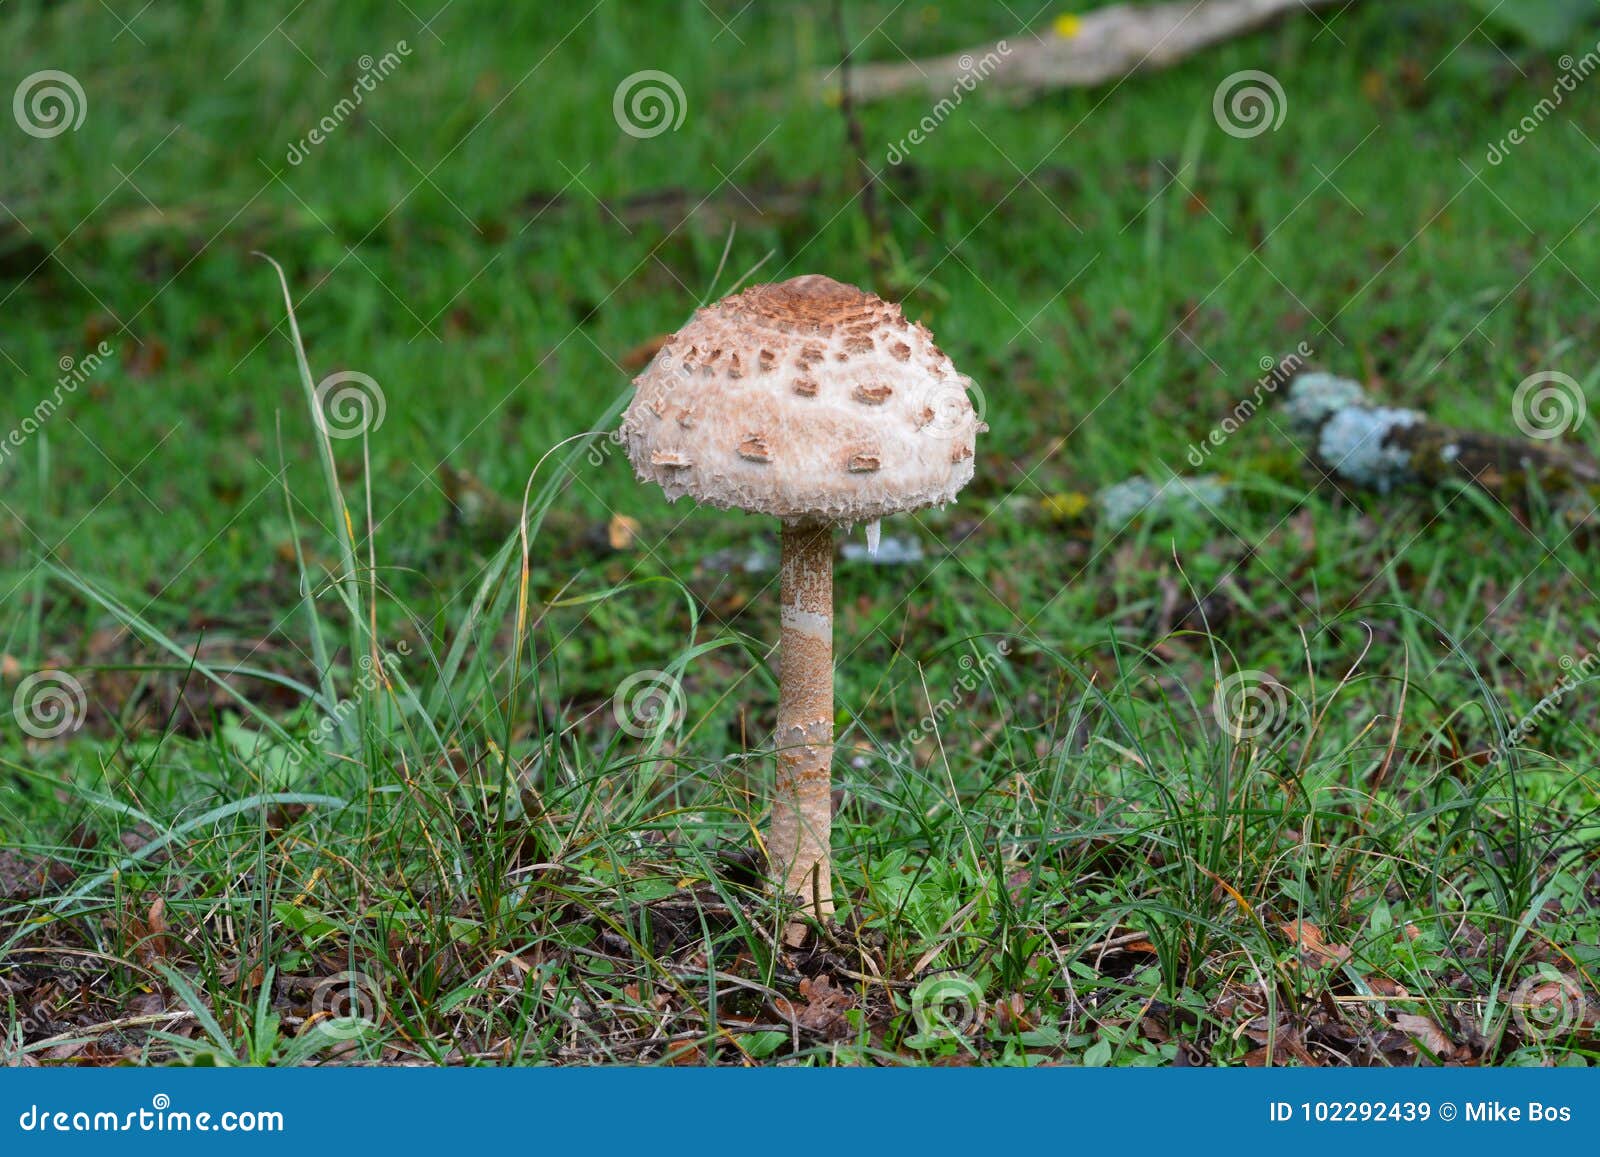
<point x="1011" y="1014"/>
<point x="1425" y="1031"/>
<point x="824" y="1011"/>
<point x="1284" y="1047"/>
<point x="1315" y="952"/>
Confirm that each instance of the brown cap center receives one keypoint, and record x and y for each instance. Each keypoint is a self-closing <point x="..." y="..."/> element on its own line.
<point x="807" y="304"/>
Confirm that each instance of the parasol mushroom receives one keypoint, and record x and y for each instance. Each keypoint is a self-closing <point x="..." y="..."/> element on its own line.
<point x="818" y="404"/>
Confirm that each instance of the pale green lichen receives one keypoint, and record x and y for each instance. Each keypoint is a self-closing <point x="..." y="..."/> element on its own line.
<point x="1314" y="398"/>
<point x="1354" y="445"/>
<point x="894" y="550"/>
<point x="1121" y="503"/>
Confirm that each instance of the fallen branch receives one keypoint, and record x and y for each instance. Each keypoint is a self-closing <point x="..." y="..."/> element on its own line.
<point x="1101" y="46"/>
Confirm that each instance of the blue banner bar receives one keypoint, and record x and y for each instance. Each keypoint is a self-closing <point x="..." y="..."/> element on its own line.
<point x="699" y="1110"/>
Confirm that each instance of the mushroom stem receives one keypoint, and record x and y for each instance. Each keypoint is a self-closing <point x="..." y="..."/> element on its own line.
<point x="802" y="802"/>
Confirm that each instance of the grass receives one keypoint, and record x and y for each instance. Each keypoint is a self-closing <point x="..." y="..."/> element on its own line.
<point x="354" y="781"/>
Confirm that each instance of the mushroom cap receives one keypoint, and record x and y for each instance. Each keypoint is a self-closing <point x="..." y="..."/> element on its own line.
<point x="808" y="400"/>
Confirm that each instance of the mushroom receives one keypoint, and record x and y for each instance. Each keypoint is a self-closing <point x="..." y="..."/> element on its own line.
<point x="818" y="404"/>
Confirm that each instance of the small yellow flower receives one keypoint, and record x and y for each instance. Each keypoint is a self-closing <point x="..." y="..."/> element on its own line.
<point x="1066" y="507"/>
<point x="1068" y="25"/>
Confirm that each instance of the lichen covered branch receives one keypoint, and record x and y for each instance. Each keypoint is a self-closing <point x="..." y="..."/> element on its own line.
<point x="1360" y="443"/>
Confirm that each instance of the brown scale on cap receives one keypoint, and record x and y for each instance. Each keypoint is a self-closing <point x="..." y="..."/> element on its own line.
<point x="813" y="304"/>
<point x="754" y="448"/>
<point x="814" y="401"/>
